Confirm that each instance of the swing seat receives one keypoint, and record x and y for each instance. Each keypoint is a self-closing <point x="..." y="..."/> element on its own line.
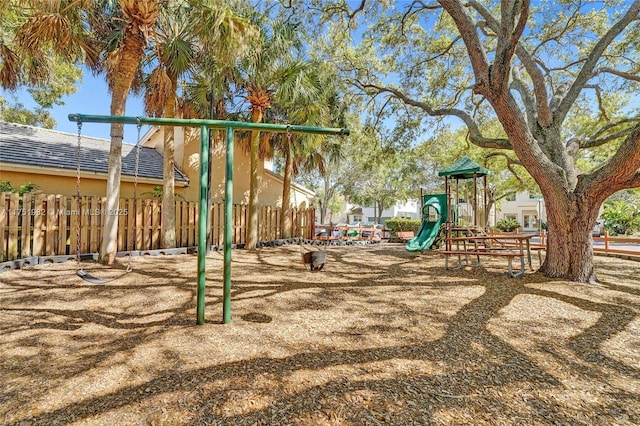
<point x="316" y="259"/>
<point x="95" y="280"/>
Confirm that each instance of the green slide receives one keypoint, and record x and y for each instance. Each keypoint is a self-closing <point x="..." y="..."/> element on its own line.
<point x="434" y="213"/>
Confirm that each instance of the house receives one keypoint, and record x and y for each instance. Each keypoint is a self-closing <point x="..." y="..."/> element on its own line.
<point x="187" y="159"/>
<point x="49" y="159"/>
<point x="528" y="209"/>
<point x="408" y="209"/>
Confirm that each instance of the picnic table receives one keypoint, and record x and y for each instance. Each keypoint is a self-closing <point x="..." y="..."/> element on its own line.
<point x="508" y="246"/>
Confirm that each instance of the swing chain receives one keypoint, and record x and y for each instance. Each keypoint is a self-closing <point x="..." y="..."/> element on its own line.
<point x="78" y="202"/>
<point x="135" y="193"/>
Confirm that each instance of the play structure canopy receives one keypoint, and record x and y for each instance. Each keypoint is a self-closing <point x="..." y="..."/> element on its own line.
<point x="464" y="168"/>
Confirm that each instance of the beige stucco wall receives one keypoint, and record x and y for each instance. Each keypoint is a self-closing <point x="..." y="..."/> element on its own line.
<point x="187" y="158"/>
<point x="64" y="182"/>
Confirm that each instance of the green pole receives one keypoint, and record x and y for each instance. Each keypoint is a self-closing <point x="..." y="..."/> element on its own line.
<point x="202" y="222"/>
<point x="228" y="218"/>
<point x="197" y="122"/>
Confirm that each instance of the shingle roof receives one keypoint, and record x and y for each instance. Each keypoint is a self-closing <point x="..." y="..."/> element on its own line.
<point x="34" y="146"/>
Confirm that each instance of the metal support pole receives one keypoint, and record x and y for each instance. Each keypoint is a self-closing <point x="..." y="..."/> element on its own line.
<point x="228" y="218"/>
<point x="475" y="199"/>
<point x="202" y="221"/>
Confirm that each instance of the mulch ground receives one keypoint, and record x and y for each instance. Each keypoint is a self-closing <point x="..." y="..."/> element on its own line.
<point x="380" y="336"/>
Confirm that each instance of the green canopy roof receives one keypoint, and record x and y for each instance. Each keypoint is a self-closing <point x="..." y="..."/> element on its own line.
<point x="464" y="168"/>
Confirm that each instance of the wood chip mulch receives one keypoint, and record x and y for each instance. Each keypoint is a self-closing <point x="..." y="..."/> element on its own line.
<point x="379" y="337"/>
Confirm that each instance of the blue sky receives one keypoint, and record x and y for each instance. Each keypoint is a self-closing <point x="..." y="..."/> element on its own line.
<point x="91" y="98"/>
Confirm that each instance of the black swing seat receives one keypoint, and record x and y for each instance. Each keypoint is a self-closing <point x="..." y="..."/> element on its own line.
<point x="95" y="280"/>
<point x="316" y="259"/>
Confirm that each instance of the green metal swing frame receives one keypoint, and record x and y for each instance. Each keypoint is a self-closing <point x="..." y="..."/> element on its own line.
<point x="205" y="125"/>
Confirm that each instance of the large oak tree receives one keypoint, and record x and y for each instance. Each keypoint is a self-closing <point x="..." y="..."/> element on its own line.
<point x="560" y="77"/>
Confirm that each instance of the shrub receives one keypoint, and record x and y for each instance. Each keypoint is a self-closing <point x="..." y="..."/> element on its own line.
<point x="507" y="224"/>
<point x="5" y="186"/>
<point x="399" y="224"/>
<point x="621" y="218"/>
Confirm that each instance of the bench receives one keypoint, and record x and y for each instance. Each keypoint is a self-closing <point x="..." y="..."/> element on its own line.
<point x="486" y="252"/>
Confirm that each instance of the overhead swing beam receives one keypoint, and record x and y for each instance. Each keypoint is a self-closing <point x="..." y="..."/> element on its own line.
<point x="204" y="184"/>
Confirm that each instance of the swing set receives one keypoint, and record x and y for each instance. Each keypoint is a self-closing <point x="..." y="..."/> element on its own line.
<point x="204" y="125"/>
<point x="79" y="271"/>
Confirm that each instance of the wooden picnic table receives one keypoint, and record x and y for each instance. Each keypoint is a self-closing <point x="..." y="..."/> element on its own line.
<point x="509" y="246"/>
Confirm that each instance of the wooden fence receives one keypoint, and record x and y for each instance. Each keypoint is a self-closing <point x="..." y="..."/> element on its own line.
<point x="47" y="225"/>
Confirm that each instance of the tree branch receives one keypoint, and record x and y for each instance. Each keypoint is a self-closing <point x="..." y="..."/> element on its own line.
<point x="620" y="172"/>
<point x="475" y="48"/>
<point x="510" y="163"/>
<point x="537" y="77"/>
<point x="508" y="37"/>
<point x="475" y="134"/>
<point x="623" y="74"/>
<point x="592" y="60"/>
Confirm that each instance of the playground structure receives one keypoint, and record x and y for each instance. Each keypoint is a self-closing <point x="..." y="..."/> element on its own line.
<point x="443" y="221"/>
<point x="435" y="213"/>
<point x="444" y="216"/>
<point x="204" y="126"/>
<point x="343" y="233"/>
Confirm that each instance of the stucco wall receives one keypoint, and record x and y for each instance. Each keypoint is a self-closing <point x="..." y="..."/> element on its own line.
<point x="64" y="183"/>
<point x="187" y="158"/>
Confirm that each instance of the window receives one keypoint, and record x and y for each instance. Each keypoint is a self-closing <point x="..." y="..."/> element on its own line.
<point x="530" y="220"/>
<point x="430" y="214"/>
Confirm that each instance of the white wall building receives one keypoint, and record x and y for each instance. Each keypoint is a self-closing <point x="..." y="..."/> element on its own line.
<point x="409" y="209"/>
<point x="527" y="209"/>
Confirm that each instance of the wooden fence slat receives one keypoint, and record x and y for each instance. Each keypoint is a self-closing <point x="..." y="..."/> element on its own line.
<point x="46" y="224"/>
<point x="84" y="224"/>
<point x="122" y="225"/>
<point x="50" y="215"/>
<point x="193" y="213"/>
<point x="14" y="206"/>
<point x="156" y="223"/>
<point x="26" y="237"/>
<point x="63" y="217"/>
<point x="38" y="235"/>
<point x="95" y="220"/>
<point x="4" y="218"/>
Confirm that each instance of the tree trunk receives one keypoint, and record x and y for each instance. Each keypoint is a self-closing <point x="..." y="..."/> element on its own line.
<point x="109" y="246"/>
<point x="379" y="212"/>
<point x="570" y="240"/>
<point x="168" y="164"/>
<point x="285" y="219"/>
<point x="119" y="89"/>
<point x="252" y="222"/>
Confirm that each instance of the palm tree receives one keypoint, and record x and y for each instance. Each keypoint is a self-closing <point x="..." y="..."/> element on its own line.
<point x="173" y="56"/>
<point x="316" y="105"/>
<point x="271" y="70"/>
<point x="124" y="28"/>
<point x="189" y="38"/>
<point x="31" y="33"/>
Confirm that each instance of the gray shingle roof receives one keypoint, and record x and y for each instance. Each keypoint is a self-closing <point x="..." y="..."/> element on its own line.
<point x="34" y="146"/>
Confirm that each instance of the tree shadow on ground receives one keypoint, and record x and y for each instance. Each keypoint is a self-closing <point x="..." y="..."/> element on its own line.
<point x="464" y="371"/>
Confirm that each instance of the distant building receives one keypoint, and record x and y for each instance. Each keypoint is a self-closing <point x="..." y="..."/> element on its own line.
<point x="409" y="209"/>
<point x="526" y="208"/>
